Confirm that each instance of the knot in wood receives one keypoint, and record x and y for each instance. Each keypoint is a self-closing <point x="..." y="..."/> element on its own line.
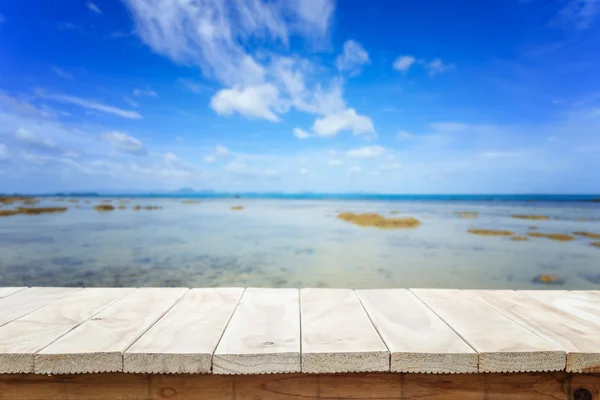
<point x="582" y="394"/>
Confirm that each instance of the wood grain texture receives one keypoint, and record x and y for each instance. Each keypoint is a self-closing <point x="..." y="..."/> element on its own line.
<point x="7" y="291"/>
<point x="263" y="335"/>
<point x="578" y="338"/>
<point x="22" y="338"/>
<point x="503" y="345"/>
<point x="579" y="304"/>
<point x="26" y="301"/>
<point x="97" y="344"/>
<point x="361" y="386"/>
<point x="184" y="339"/>
<point x="418" y="340"/>
<point x="337" y="334"/>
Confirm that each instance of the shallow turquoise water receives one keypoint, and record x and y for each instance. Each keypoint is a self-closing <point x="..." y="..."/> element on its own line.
<point x="297" y="243"/>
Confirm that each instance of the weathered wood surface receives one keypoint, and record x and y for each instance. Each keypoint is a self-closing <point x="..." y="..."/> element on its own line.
<point x="418" y="340"/>
<point x="23" y="302"/>
<point x="337" y="334"/>
<point x="579" y="304"/>
<point x="98" y="344"/>
<point x="22" y="338"/>
<point x="578" y="338"/>
<point x="184" y="340"/>
<point x="263" y="335"/>
<point x="357" y="386"/>
<point x="173" y="330"/>
<point x="7" y="291"/>
<point x="503" y="344"/>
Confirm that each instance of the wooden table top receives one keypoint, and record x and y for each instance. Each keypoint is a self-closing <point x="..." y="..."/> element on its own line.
<point x="261" y="330"/>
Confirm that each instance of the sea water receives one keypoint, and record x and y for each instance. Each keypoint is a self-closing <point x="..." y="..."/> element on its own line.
<point x="299" y="242"/>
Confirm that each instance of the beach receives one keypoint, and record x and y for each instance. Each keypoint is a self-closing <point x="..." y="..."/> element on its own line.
<point x="211" y="242"/>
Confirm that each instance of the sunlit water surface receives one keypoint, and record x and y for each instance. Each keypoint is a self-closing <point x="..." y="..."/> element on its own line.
<point x="297" y="243"/>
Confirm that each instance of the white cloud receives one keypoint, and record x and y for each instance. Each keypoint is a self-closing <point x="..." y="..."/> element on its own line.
<point x="131" y="102"/>
<point x="304" y="171"/>
<point x="366" y="152"/>
<point x="220" y="152"/>
<point x="32" y="140"/>
<point x="144" y="92"/>
<point x="192" y="86"/>
<point x="355" y="169"/>
<point x="255" y="101"/>
<point x="3" y="152"/>
<point x="403" y="63"/>
<point x="437" y="66"/>
<point x="236" y="166"/>
<point x="125" y="143"/>
<point x="216" y="36"/>
<point x="348" y="119"/>
<point x="94" y="8"/>
<point x="92" y="105"/>
<point x="334" y="162"/>
<point x="301" y="134"/>
<point x="578" y="13"/>
<point x="404" y="135"/>
<point x="352" y="58"/>
<point x="62" y="73"/>
<point x="211" y="34"/>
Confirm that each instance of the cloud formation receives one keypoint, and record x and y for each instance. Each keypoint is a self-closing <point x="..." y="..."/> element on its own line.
<point x="215" y="35"/>
<point x="35" y="142"/>
<point x="352" y="58"/>
<point x="403" y="63"/>
<point x="366" y="152"/>
<point x="94" y="8"/>
<point x="144" y="92"/>
<point x="62" y="73"/>
<point x="89" y="104"/>
<point x="301" y="133"/>
<point x="332" y="124"/>
<point x="122" y="142"/>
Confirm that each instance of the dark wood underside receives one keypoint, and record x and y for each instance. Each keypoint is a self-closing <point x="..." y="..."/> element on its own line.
<point x="557" y="385"/>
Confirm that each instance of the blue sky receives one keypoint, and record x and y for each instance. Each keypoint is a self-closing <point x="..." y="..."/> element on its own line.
<point x="414" y="96"/>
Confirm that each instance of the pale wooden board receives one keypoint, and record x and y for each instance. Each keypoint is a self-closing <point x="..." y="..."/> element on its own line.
<point x="7" y="291"/>
<point x="584" y="305"/>
<point x="578" y="338"/>
<point x="22" y="338"/>
<point x="263" y="335"/>
<point x="184" y="340"/>
<point x="26" y="301"/>
<point x="337" y="334"/>
<point x="98" y="344"/>
<point x="418" y="340"/>
<point x="503" y="345"/>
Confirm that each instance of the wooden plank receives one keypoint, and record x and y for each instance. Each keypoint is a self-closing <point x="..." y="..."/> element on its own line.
<point x="578" y="338"/>
<point x="418" y="340"/>
<point x="22" y="338"/>
<point x="580" y="304"/>
<point x="337" y="334"/>
<point x="26" y="301"/>
<point x="263" y="335"/>
<point x="503" y="345"/>
<point x="388" y="386"/>
<point x="7" y="291"/>
<point x="97" y="344"/>
<point x="184" y="340"/>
